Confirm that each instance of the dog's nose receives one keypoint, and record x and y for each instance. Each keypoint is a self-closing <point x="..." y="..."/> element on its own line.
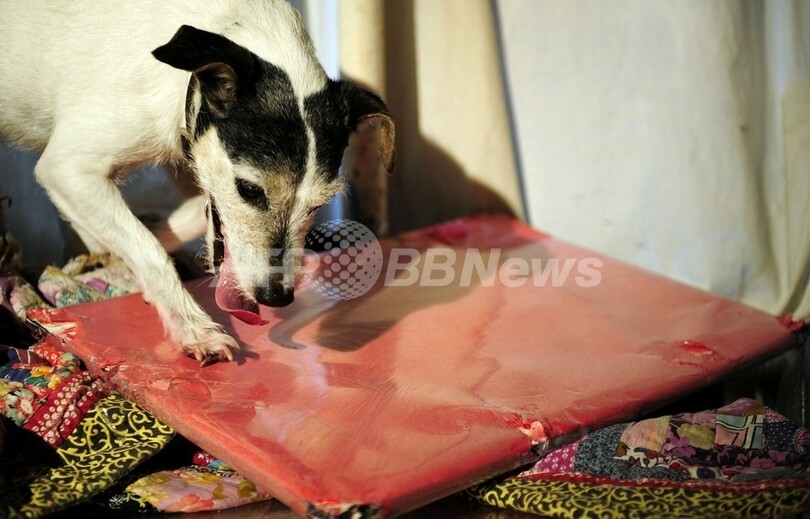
<point x="275" y="295"/>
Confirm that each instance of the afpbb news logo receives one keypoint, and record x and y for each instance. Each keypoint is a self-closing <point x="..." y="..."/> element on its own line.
<point x="351" y="260"/>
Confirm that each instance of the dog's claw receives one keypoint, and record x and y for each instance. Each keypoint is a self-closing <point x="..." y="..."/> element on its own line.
<point x="217" y="348"/>
<point x="210" y="358"/>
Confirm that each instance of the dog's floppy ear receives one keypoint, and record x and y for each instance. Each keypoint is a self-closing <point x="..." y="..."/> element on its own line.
<point x="370" y="154"/>
<point x="224" y="69"/>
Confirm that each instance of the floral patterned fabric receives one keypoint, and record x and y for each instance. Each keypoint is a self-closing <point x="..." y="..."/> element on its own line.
<point x="194" y="489"/>
<point x="208" y="484"/>
<point x="719" y="445"/>
<point x="17" y="402"/>
<point x="44" y="390"/>
<point x="85" y="278"/>
<point x="742" y="460"/>
<point x="66" y="407"/>
<point x="17" y="296"/>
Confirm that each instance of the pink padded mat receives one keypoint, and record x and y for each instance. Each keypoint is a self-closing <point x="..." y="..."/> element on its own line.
<point x="383" y="403"/>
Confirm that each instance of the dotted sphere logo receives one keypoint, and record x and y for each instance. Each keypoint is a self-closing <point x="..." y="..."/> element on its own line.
<point x="351" y="260"/>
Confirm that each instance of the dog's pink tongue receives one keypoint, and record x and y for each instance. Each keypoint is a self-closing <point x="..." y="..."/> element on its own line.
<point x="230" y="298"/>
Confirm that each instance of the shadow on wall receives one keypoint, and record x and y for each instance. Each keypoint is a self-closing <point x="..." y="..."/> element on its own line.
<point x="432" y="187"/>
<point x="428" y="186"/>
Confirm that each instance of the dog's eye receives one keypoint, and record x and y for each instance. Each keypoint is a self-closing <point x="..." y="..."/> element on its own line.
<point x="251" y="193"/>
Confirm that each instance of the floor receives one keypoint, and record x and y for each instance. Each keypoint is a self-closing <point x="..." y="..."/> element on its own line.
<point x="452" y="507"/>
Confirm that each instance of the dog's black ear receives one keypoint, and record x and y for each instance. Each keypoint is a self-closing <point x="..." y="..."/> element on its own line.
<point x="370" y="154"/>
<point x="224" y="69"/>
<point x="371" y="121"/>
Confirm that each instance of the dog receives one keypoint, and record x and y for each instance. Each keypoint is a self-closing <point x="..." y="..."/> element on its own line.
<point x="226" y="92"/>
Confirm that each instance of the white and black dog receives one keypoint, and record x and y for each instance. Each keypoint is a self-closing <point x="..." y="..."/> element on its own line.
<point x="229" y="91"/>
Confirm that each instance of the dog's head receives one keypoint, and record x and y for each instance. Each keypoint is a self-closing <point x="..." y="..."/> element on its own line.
<point x="267" y="156"/>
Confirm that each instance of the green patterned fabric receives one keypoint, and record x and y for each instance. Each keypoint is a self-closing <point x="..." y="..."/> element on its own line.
<point x="114" y="437"/>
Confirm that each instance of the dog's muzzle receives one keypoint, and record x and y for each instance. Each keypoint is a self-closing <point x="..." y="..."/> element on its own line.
<point x="275" y="295"/>
<point x="228" y="294"/>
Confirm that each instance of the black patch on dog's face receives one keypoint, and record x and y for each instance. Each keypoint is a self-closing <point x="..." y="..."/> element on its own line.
<point x="264" y="128"/>
<point x="334" y="113"/>
<point x="327" y="113"/>
<point x="252" y="104"/>
<point x="219" y="239"/>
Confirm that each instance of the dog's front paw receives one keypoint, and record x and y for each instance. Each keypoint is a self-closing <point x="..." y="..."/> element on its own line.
<point x="213" y="346"/>
<point x="192" y="329"/>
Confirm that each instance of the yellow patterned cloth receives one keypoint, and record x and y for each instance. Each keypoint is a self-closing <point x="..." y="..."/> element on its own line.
<point x="115" y="436"/>
<point x="591" y="497"/>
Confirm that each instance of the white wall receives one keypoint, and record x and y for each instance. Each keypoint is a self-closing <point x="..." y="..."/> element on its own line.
<point x="670" y="135"/>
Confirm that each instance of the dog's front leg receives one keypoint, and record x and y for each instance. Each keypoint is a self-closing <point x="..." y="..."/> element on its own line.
<point x="93" y="246"/>
<point x="80" y="187"/>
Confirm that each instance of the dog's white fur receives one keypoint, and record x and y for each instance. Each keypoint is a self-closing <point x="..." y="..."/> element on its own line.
<point x="78" y="82"/>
